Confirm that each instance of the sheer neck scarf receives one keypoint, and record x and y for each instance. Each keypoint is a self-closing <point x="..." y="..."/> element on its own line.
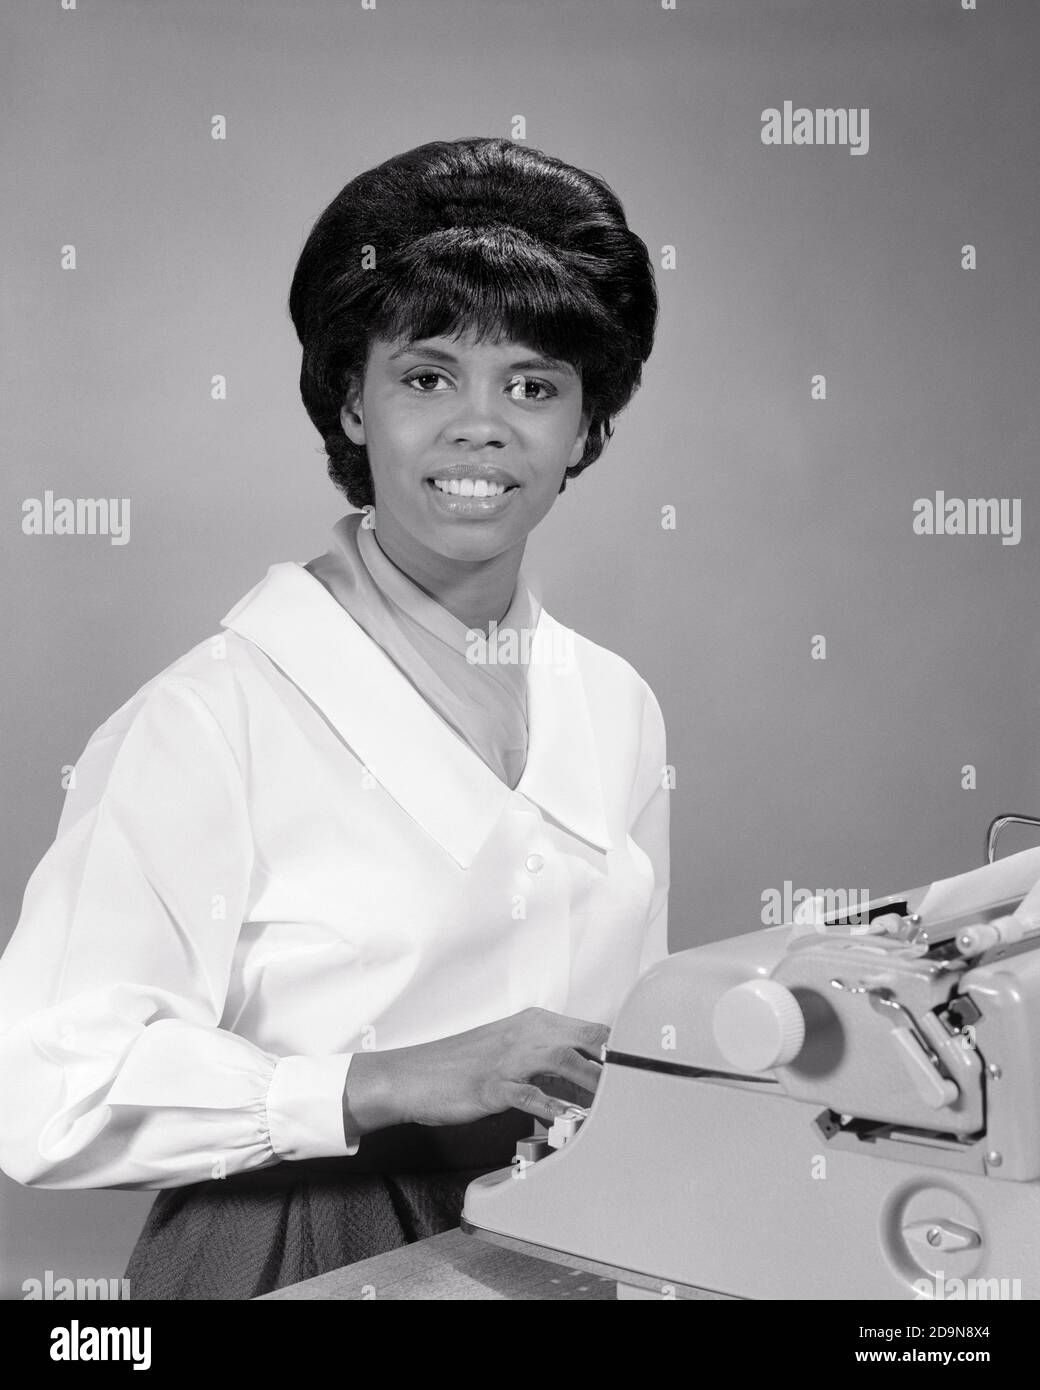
<point x="483" y="700"/>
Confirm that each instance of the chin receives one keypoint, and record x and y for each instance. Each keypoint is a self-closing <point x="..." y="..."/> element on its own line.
<point x="480" y="541"/>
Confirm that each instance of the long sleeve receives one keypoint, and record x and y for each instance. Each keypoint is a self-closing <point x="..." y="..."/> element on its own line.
<point x="650" y="828"/>
<point x="114" y="1069"/>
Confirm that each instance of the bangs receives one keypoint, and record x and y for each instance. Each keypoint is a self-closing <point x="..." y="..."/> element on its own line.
<point x="498" y="283"/>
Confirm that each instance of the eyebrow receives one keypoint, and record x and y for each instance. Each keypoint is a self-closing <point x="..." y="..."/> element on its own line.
<point x="542" y="364"/>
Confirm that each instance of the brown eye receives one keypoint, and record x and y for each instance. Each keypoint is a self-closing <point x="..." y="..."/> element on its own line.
<point x="525" y="381"/>
<point x="423" y="376"/>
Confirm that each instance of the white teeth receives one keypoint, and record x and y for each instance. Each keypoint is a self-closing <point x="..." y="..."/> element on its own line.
<point x="469" y="487"/>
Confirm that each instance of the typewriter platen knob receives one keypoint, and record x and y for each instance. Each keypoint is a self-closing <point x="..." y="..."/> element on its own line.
<point x="759" y="1025"/>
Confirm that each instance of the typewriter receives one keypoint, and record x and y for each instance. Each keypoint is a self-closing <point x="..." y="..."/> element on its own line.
<point x="845" y="1107"/>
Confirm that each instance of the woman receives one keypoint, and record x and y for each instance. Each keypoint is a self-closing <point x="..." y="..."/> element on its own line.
<point x="348" y="896"/>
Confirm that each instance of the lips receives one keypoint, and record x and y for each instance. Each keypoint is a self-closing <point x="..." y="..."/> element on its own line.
<point x="487" y="472"/>
<point x="471" y="494"/>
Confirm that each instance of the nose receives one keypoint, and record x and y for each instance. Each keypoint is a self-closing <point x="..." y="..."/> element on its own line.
<point x="479" y="418"/>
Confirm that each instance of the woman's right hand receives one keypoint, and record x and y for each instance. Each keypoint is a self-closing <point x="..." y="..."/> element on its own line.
<point x="484" y="1071"/>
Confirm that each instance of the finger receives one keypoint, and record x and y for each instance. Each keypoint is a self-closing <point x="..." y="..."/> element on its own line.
<point x="526" y="1096"/>
<point x="562" y="1089"/>
<point x="572" y="1066"/>
<point x="584" y="1036"/>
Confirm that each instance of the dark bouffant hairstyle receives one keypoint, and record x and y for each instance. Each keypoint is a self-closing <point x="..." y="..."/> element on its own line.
<point x="476" y="234"/>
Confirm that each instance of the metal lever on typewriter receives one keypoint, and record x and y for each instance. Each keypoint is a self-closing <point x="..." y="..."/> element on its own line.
<point x="997" y="825"/>
<point x="916" y="1053"/>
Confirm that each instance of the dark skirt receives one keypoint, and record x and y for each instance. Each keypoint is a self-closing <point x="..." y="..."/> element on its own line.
<point x="252" y="1233"/>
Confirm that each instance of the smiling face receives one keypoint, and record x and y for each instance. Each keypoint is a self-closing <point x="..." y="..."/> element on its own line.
<point x="497" y="425"/>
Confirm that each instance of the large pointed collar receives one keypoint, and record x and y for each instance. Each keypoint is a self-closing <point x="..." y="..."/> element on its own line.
<point x="432" y="775"/>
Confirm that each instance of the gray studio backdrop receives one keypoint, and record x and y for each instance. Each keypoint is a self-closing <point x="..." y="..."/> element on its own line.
<point x="794" y="515"/>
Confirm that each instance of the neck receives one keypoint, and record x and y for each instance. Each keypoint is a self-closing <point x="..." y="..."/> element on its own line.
<point x="475" y="592"/>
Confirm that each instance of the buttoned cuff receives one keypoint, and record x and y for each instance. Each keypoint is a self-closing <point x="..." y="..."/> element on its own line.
<point x="305" y="1107"/>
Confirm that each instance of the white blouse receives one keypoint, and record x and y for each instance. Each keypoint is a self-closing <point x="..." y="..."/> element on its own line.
<point x="276" y="854"/>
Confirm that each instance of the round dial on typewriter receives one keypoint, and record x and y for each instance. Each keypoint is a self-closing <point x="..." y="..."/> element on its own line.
<point x="759" y="1025"/>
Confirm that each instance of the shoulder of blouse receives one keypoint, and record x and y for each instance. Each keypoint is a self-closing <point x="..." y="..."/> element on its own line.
<point x="207" y="679"/>
<point x="601" y="664"/>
